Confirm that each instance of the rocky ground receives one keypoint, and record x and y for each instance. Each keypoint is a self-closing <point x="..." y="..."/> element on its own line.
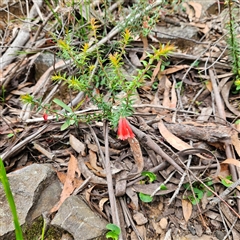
<point x="184" y="124"/>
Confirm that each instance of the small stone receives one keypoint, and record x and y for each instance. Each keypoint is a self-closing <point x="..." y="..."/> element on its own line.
<point x="139" y="218"/>
<point x="220" y="235"/>
<point x="163" y="223"/>
<point x="75" y="217"/>
<point x="157" y="228"/>
<point x="36" y="189"/>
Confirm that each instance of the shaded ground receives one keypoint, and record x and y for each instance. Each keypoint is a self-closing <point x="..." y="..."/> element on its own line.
<point x="183" y="120"/>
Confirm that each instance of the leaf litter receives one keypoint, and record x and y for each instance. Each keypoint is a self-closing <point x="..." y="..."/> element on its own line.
<point x="182" y="125"/>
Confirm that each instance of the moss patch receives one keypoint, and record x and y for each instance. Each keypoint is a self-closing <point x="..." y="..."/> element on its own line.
<point x="34" y="231"/>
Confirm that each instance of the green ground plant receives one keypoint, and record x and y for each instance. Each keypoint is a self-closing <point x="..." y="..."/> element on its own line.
<point x="105" y="85"/>
<point x="233" y="43"/>
<point x="10" y="199"/>
<point x="198" y="190"/>
<point x="114" y="231"/>
<point x="150" y="178"/>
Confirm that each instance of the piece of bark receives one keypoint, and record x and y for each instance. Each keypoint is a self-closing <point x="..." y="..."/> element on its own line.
<point x="212" y="134"/>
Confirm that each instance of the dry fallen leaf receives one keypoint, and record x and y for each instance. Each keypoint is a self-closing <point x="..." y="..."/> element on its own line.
<point x="173" y="103"/>
<point x="137" y="154"/>
<point x="68" y="187"/>
<point x="197" y="8"/>
<point x="174" y="141"/>
<point x="235" y="140"/>
<point x="88" y="195"/>
<point x="102" y="202"/>
<point x="93" y="161"/>
<point x="174" y="69"/>
<point x="208" y="85"/>
<point x="156" y="71"/>
<point x="166" y="99"/>
<point x="232" y="161"/>
<point x="187" y="209"/>
<point x="225" y="94"/>
<point x="189" y="11"/>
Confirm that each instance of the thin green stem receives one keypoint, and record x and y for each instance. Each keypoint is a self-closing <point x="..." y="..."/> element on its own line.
<point x="10" y="199"/>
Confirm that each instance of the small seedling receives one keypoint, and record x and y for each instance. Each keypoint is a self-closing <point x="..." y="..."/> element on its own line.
<point x="145" y="197"/>
<point x="151" y="176"/>
<point x="199" y="190"/>
<point x="162" y="187"/>
<point x="227" y="181"/>
<point x="10" y="135"/>
<point x="114" y="231"/>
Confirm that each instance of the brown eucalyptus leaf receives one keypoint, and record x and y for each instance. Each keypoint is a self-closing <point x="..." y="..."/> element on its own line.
<point x="137" y="154"/>
<point x="68" y="187"/>
<point x="187" y="209"/>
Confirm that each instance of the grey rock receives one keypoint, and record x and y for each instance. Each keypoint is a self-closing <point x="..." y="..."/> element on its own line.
<point x="220" y="235"/>
<point x="43" y="62"/>
<point x="175" y="32"/>
<point x="79" y="220"/>
<point x="35" y="189"/>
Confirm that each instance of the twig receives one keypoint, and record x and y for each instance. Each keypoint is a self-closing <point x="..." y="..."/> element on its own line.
<point x="49" y="155"/>
<point x="101" y="160"/>
<point x="129" y="19"/>
<point x="27" y="140"/>
<point x="21" y="39"/>
<point x="230" y="229"/>
<point x="80" y="188"/>
<point x="222" y="114"/>
<point x="181" y="181"/>
<point x="146" y="140"/>
<point x="126" y="210"/>
<point x="112" y="198"/>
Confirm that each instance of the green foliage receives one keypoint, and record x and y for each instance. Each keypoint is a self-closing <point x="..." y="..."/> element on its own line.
<point x="233" y="43"/>
<point x="237" y="122"/>
<point x="63" y="105"/>
<point x="152" y="176"/>
<point x="145" y="197"/>
<point x="227" y="181"/>
<point x="163" y="187"/>
<point x="114" y="231"/>
<point x="99" y="73"/>
<point x="198" y="190"/>
<point x="147" y="20"/>
<point x="10" y="135"/>
<point x="8" y="192"/>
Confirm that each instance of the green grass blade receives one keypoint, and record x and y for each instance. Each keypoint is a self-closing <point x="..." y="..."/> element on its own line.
<point x="8" y="192"/>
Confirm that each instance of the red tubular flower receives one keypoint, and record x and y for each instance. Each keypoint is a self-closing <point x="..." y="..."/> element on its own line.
<point x="45" y="117"/>
<point x="124" y="129"/>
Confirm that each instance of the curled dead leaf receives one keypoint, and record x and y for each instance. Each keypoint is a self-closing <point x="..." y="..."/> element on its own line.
<point x="187" y="209"/>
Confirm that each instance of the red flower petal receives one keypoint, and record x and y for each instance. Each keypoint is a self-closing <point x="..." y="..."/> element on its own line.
<point x="45" y="117"/>
<point x="124" y="129"/>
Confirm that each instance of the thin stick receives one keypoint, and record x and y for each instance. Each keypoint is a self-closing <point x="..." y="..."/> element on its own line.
<point x="112" y="199"/>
